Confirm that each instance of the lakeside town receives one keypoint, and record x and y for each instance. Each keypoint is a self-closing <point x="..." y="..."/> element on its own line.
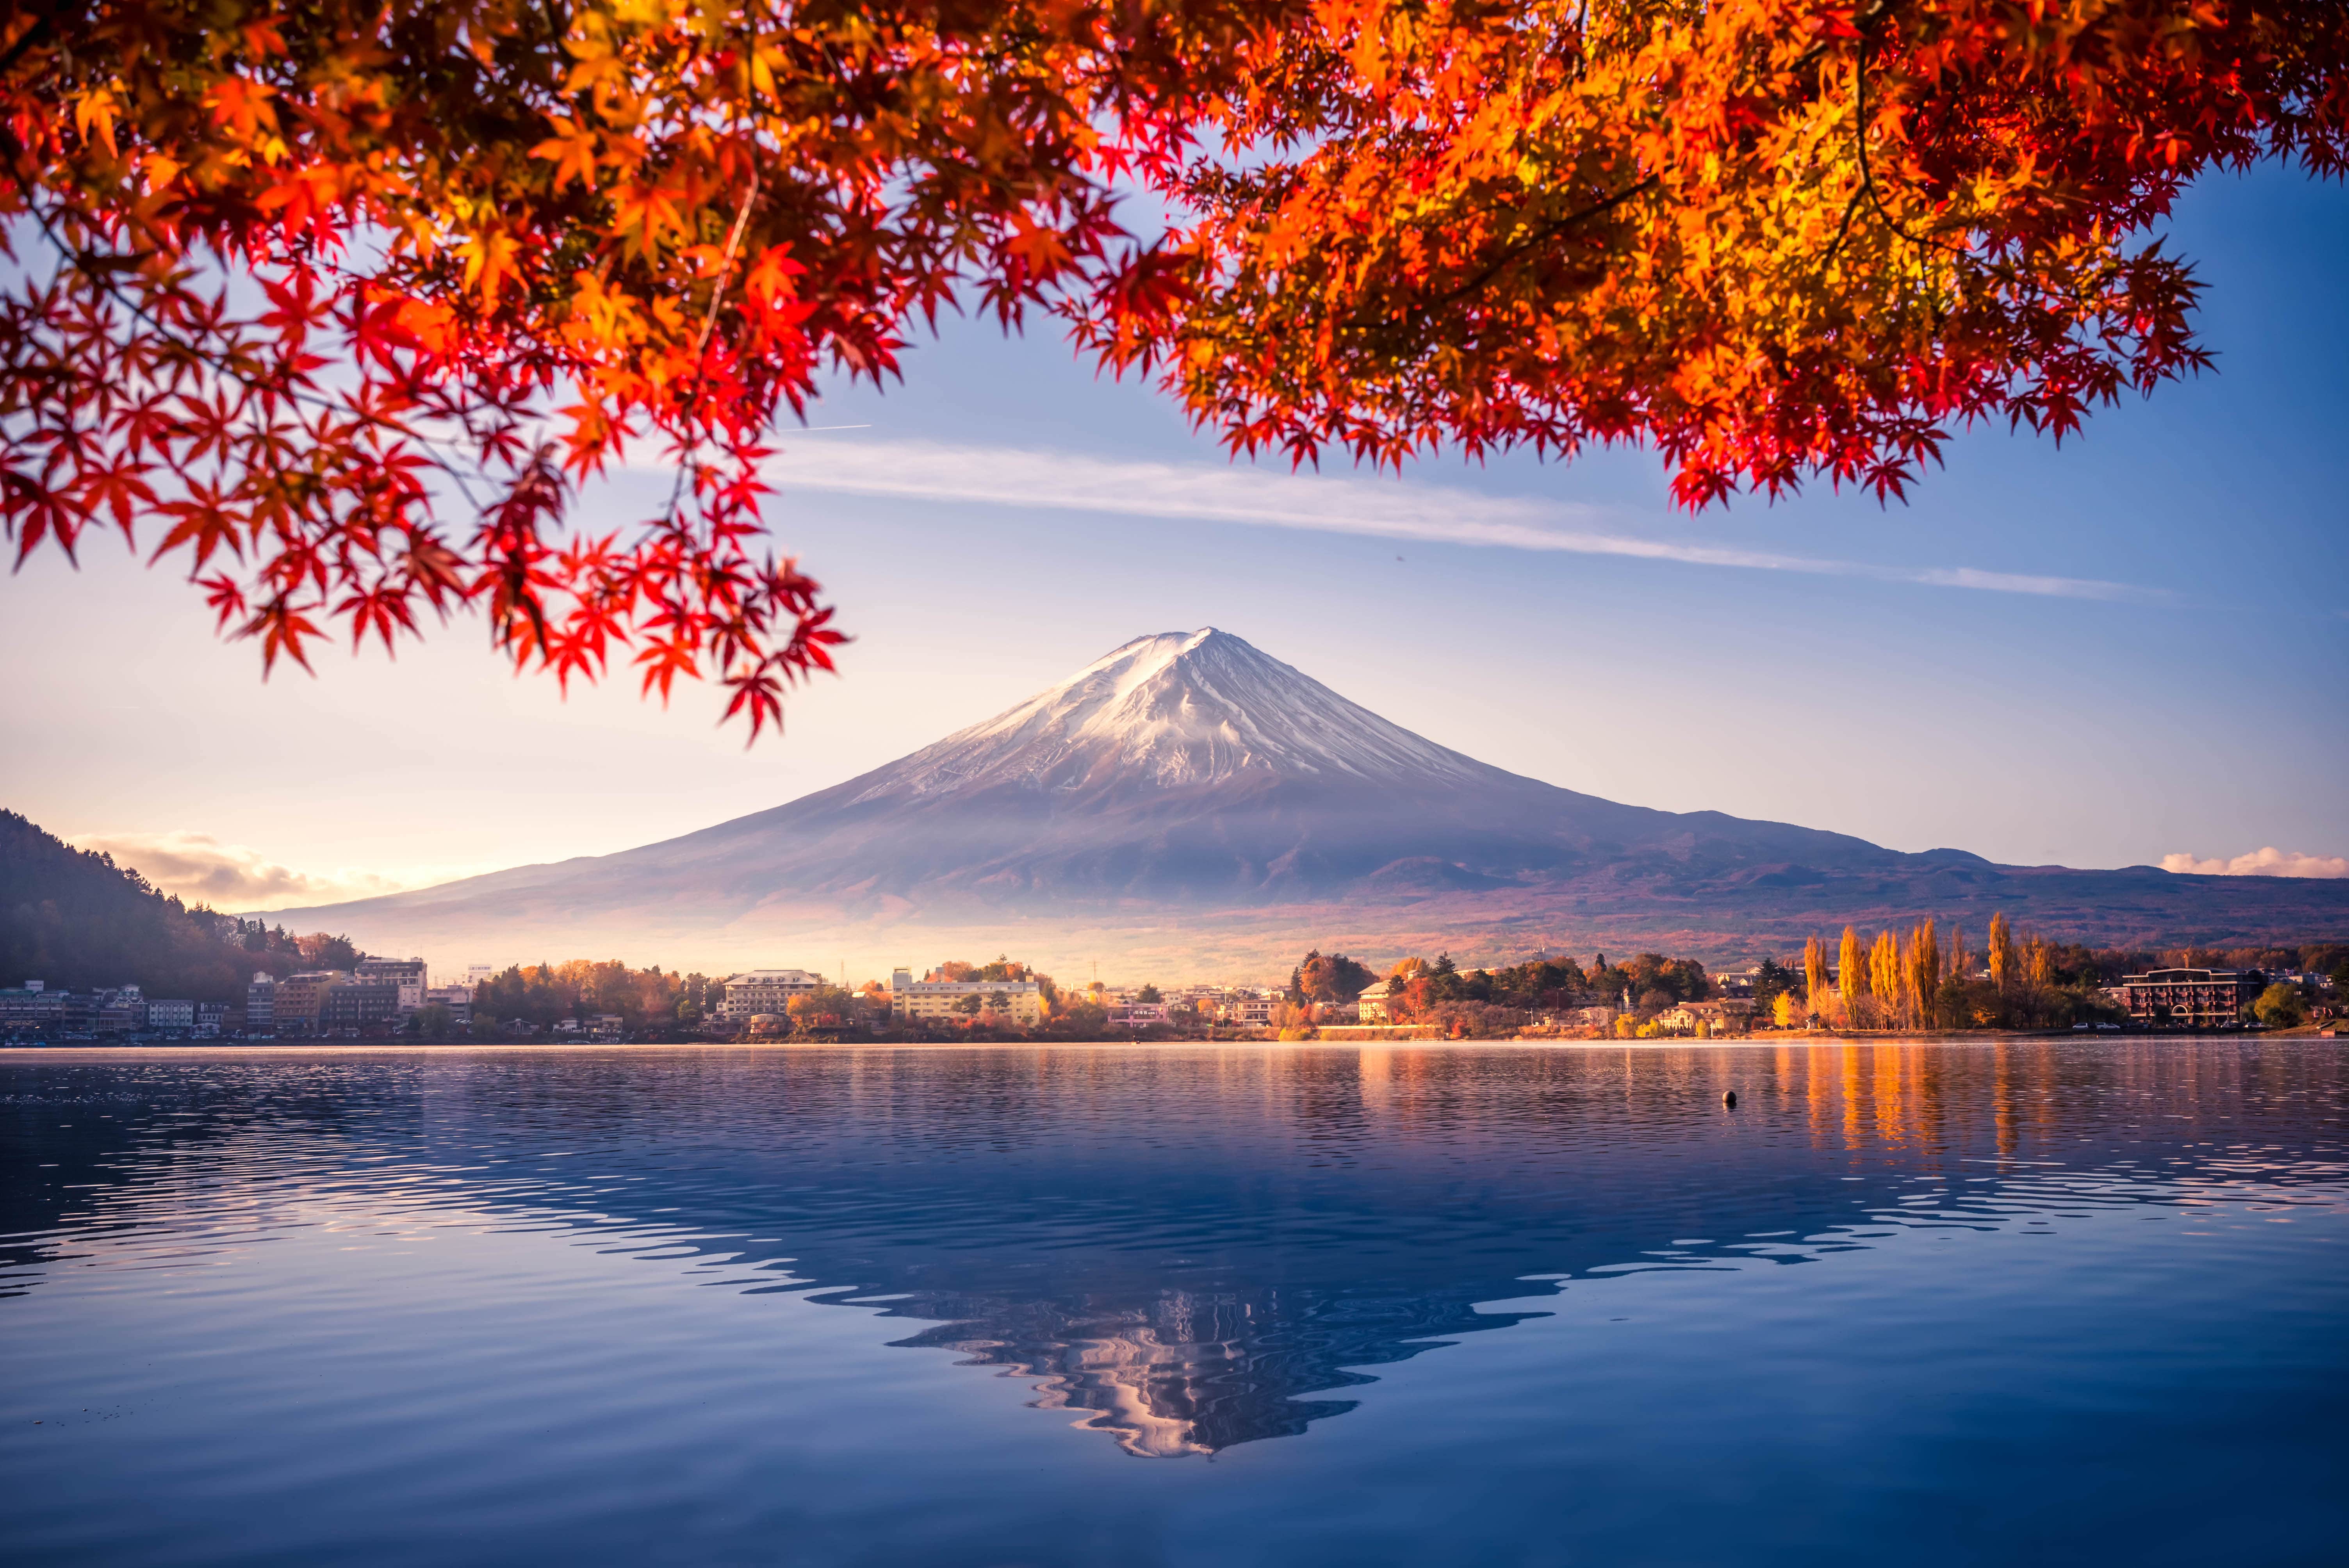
<point x="1897" y="985"/>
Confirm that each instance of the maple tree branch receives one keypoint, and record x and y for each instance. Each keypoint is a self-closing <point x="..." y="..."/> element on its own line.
<point x="725" y="271"/>
<point x="1844" y="229"/>
<point x="1545" y="232"/>
<point x="709" y="317"/>
<point x="1868" y="178"/>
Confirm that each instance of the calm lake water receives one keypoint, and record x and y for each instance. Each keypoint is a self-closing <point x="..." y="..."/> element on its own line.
<point x="1922" y="1305"/>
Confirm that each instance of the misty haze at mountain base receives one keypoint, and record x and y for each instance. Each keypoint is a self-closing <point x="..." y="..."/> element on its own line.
<point x="1188" y="802"/>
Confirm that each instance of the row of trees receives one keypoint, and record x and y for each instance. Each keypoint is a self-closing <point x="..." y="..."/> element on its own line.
<point x="1928" y="978"/>
<point x="1924" y="977"/>
<point x="544" y="994"/>
<point x="1483" y="1002"/>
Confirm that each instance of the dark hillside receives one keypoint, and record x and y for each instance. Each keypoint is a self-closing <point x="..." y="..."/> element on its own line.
<point x="77" y="922"/>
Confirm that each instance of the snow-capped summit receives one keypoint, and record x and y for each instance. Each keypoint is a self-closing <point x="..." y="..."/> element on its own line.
<point x="1173" y="710"/>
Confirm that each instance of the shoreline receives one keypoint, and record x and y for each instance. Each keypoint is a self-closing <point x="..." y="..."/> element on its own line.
<point x="515" y="1047"/>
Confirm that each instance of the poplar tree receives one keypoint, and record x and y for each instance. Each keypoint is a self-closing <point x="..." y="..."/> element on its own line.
<point x="1851" y="977"/>
<point x="1815" y="972"/>
<point x="2002" y="953"/>
<point x="1883" y="969"/>
<point x="1924" y="972"/>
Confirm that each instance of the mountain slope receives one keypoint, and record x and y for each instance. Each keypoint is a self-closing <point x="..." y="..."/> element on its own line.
<point x="76" y="922"/>
<point x="1189" y="784"/>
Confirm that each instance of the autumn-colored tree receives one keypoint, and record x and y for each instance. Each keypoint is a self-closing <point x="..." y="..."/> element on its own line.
<point x="1884" y="974"/>
<point x="1922" y="975"/>
<point x="1815" y="974"/>
<point x="1774" y="238"/>
<point x="322" y="950"/>
<point x="1851" y="978"/>
<point x="2003" y="973"/>
<point x="493" y="248"/>
<point x="1330" y="977"/>
<point x="825" y="1008"/>
<point x="337" y="305"/>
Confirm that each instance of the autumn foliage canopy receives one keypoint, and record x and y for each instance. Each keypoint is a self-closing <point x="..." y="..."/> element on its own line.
<point x="338" y="305"/>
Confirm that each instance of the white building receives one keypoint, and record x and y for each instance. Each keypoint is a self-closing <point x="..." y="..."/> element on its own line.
<point x="764" y="991"/>
<point x="458" y="999"/>
<point x="170" y="1013"/>
<point x="261" y="1003"/>
<point x="1020" y="1001"/>
<point x="407" y="974"/>
<point x="1250" y="1011"/>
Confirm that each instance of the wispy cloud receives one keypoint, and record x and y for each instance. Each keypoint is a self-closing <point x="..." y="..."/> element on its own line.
<point x="2269" y="861"/>
<point x="232" y="877"/>
<point x="1382" y="508"/>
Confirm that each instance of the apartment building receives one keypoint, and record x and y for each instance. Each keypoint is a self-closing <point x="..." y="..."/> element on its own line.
<point x="2191" y="998"/>
<point x="261" y="1003"/>
<point x="407" y="974"/>
<point x="298" y="1002"/>
<point x="764" y="991"/>
<point x="1018" y="1001"/>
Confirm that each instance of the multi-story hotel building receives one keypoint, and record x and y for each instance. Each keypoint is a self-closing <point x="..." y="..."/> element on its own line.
<point x="2190" y="998"/>
<point x="407" y="974"/>
<point x="358" y="1004"/>
<point x="261" y="1003"/>
<point x="1020" y="1001"/>
<point x="298" y="1000"/>
<point x="765" y="991"/>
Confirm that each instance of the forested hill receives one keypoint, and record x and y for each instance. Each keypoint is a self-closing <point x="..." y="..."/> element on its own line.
<point x="77" y="920"/>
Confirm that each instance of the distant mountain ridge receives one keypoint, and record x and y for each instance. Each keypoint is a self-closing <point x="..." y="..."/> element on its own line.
<point x="1190" y="795"/>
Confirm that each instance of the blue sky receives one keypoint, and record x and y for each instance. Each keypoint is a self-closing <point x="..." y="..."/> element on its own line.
<point x="2195" y="707"/>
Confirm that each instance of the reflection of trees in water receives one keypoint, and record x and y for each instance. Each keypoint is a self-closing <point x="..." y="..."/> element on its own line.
<point x="1190" y="1372"/>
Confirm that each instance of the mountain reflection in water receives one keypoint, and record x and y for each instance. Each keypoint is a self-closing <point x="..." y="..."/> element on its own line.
<point x="1194" y="1247"/>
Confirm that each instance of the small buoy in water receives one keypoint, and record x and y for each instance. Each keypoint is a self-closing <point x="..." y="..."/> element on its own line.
<point x="1729" y="1099"/>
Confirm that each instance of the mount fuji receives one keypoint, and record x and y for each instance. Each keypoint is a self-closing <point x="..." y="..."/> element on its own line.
<point x="1190" y="801"/>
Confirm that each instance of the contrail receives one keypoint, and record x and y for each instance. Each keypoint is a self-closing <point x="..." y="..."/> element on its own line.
<point x="928" y="471"/>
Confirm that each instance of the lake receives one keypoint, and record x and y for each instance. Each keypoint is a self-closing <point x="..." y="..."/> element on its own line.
<point x="1977" y="1303"/>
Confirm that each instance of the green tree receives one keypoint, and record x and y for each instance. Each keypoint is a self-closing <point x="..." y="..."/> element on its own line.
<point x="432" y="1021"/>
<point x="1148" y="994"/>
<point x="2279" y="1006"/>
